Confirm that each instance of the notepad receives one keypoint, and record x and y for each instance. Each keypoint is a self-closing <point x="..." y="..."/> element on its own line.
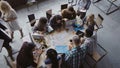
<point x="61" y="48"/>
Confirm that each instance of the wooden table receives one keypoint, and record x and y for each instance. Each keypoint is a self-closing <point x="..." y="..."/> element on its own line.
<point x="54" y="39"/>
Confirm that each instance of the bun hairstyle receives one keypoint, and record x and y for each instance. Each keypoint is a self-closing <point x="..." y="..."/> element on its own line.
<point x="5" y="6"/>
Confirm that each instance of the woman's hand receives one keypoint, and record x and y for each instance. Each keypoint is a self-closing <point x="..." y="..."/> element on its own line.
<point x="37" y="54"/>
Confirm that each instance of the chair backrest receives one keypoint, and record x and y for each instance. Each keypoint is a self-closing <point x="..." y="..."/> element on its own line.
<point x="31" y="38"/>
<point x="31" y="18"/>
<point x="97" y="56"/>
<point x="99" y="21"/>
<point x="49" y="14"/>
<point x="64" y="6"/>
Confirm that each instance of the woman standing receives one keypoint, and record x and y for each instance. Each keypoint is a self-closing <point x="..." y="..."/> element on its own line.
<point x="9" y="15"/>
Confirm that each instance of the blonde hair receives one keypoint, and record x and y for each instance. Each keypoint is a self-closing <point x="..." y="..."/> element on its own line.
<point x="5" y="6"/>
<point x="90" y="18"/>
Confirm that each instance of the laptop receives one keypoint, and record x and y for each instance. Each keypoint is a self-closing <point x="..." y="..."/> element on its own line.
<point x="64" y="6"/>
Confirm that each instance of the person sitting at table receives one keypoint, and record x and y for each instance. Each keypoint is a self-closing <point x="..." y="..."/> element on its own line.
<point x="52" y="60"/>
<point x="91" y="22"/>
<point x="90" y="40"/>
<point x="69" y="13"/>
<point x="41" y="25"/>
<point x="25" y="56"/>
<point x="56" y="22"/>
<point x="74" y="56"/>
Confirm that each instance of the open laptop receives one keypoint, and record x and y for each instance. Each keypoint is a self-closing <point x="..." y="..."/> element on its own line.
<point x="64" y="6"/>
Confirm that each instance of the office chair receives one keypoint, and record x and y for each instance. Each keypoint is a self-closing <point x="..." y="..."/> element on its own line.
<point x="32" y="19"/>
<point x="99" y="21"/>
<point x="97" y="56"/>
<point x="30" y="3"/>
<point x="9" y="62"/>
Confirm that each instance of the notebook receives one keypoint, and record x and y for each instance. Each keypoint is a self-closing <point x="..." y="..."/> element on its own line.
<point x="61" y="48"/>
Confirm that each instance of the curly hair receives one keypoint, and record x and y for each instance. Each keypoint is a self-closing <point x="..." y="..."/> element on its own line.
<point x="5" y="6"/>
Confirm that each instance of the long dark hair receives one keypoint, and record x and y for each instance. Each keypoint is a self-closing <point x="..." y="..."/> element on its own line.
<point x="25" y="54"/>
<point x="26" y="50"/>
<point x="52" y="55"/>
<point x="42" y="24"/>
